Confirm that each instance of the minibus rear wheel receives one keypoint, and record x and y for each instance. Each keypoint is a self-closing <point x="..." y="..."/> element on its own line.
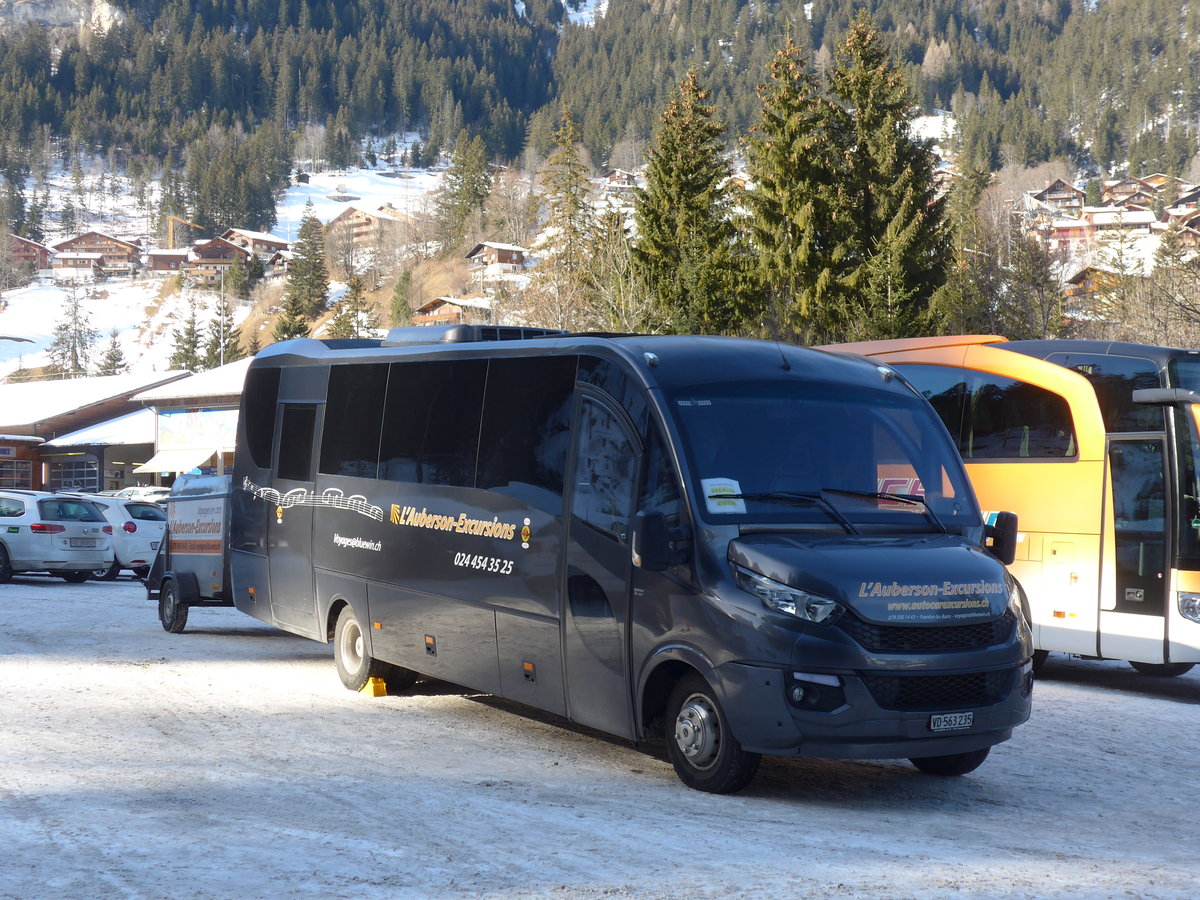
<point x="952" y="763"/>
<point x="354" y="665"/>
<point x="703" y="750"/>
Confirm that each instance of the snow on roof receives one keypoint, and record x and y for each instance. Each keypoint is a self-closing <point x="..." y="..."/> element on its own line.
<point x="224" y="381"/>
<point x="35" y="401"/>
<point x="259" y="236"/>
<point x="132" y="428"/>
<point x="22" y="437"/>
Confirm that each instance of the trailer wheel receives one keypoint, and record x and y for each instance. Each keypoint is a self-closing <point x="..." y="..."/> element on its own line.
<point x="6" y="571"/>
<point x="354" y="665"/>
<point x="951" y="764"/>
<point x="172" y="611"/>
<point x="1162" y="670"/>
<point x="704" y="752"/>
<point x="108" y="574"/>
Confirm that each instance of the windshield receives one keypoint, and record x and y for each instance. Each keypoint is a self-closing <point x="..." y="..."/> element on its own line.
<point x="821" y="454"/>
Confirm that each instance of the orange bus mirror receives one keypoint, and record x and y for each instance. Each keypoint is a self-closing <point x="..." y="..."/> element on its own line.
<point x="1001" y="537"/>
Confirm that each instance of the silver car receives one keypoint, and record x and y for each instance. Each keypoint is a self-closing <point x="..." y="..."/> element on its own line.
<point x="60" y="534"/>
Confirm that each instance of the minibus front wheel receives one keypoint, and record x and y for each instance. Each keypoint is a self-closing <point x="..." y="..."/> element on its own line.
<point x="700" y="745"/>
<point x="354" y="665"/>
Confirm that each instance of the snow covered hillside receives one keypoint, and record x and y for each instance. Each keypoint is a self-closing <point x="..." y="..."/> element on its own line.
<point x="144" y="321"/>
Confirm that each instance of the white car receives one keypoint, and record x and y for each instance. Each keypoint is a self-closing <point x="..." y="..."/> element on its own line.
<point x="149" y="493"/>
<point x="138" y="527"/>
<point x="60" y="534"/>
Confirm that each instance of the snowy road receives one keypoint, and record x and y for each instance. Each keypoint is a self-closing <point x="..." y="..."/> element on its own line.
<point x="229" y="762"/>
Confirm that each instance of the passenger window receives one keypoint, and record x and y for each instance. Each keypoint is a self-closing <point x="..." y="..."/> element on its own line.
<point x="1115" y="378"/>
<point x="605" y="471"/>
<point x="431" y="422"/>
<point x="353" y="420"/>
<point x="994" y="417"/>
<point x="295" y="442"/>
<point x="525" y="434"/>
<point x="11" y="508"/>
<point x="660" y="489"/>
<point x="609" y="377"/>
<point x="259" y="396"/>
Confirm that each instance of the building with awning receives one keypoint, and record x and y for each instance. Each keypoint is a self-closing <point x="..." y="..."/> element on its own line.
<point x="195" y="423"/>
<point x="43" y="411"/>
<point x="119" y="445"/>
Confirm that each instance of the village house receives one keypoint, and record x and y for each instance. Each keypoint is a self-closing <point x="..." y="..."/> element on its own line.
<point x="70" y="265"/>
<point x="454" y="311"/>
<point x="158" y="260"/>
<point x="23" y="250"/>
<point x="208" y="261"/>
<point x="368" y="229"/>
<point x="491" y="261"/>
<point x="117" y="255"/>
<point x="261" y="244"/>
<point x="1062" y="196"/>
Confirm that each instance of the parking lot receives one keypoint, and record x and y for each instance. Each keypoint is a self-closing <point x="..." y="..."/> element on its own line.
<point x="228" y="761"/>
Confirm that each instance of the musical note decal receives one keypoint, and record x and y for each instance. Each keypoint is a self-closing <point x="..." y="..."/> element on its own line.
<point x="330" y="497"/>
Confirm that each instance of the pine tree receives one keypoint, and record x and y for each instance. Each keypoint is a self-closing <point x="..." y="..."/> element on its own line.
<point x="223" y="345"/>
<point x="308" y="276"/>
<point x="71" y="348"/>
<point x="292" y="321"/>
<point x="797" y="205"/>
<point x="400" y="308"/>
<point x="186" y="351"/>
<point x="567" y="195"/>
<point x="237" y="280"/>
<point x="463" y="192"/>
<point x="354" y="317"/>
<point x="899" y="246"/>
<point x="113" y="362"/>
<point x="687" y="249"/>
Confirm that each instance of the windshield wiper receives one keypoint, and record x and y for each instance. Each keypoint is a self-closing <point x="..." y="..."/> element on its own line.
<point x="911" y="499"/>
<point x="792" y="497"/>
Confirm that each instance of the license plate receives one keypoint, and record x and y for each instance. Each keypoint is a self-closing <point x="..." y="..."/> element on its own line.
<point x="951" y="721"/>
<point x="83" y="542"/>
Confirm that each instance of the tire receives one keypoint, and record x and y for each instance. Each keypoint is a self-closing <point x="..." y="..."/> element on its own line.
<point x="172" y="611"/>
<point x="141" y="572"/>
<point x="6" y="569"/>
<point x="109" y="574"/>
<point x="75" y="577"/>
<point x="354" y="665"/>
<point x="1039" y="660"/>
<point x="400" y="680"/>
<point x="1162" y="670"/>
<point x="704" y="752"/>
<point x="951" y="764"/>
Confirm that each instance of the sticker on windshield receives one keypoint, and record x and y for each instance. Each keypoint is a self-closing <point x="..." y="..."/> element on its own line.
<point x="723" y="495"/>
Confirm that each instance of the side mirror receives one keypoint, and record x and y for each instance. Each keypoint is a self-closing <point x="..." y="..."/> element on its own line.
<point x="1001" y="537"/>
<point x="652" y="539"/>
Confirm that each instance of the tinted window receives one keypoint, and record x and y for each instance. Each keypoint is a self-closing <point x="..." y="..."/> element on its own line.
<point x="147" y="512"/>
<point x="1115" y="378"/>
<point x="10" y="508"/>
<point x="295" y="442"/>
<point x="259" y="396"/>
<point x="605" y="471"/>
<point x="609" y="377"/>
<point x="525" y="433"/>
<point x="431" y="422"/>
<point x="64" y="509"/>
<point x="993" y="417"/>
<point x="353" y="420"/>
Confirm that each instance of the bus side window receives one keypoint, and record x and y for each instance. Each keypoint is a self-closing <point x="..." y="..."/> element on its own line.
<point x="605" y="471"/>
<point x="295" y="442"/>
<point x="260" y="396"/>
<point x="353" y="418"/>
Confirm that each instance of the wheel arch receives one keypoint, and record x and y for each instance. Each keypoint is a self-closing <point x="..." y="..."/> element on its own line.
<point x="664" y="669"/>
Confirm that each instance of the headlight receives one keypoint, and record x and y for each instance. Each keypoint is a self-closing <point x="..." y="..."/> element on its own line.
<point x="1189" y="606"/>
<point x="789" y="600"/>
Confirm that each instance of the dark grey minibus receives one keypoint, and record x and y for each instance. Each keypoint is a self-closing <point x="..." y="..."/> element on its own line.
<point x="738" y="546"/>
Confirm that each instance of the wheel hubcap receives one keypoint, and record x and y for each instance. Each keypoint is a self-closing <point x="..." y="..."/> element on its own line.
<point x="698" y="731"/>
<point x="352" y="646"/>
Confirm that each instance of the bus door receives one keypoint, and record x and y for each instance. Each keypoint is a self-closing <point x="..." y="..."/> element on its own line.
<point x="1134" y="628"/>
<point x="290" y="521"/>
<point x="598" y="568"/>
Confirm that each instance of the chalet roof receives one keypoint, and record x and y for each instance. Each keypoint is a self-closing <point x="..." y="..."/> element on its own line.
<point x="32" y="243"/>
<point x="1059" y="184"/>
<point x="466" y="302"/>
<point x="260" y="236"/>
<point x="1117" y="215"/>
<point x="199" y="245"/>
<point x="34" y="402"/>
<point x="494" y="245"/>
<point x="224" y="381"/>
<point x="135" y="244"/>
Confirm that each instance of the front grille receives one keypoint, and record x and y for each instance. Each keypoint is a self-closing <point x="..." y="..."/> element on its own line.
<point x="939" y="692"/>
<point x="926" y="638"/>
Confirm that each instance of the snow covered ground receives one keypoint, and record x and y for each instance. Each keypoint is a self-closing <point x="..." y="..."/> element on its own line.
<point x="229" y="762"/>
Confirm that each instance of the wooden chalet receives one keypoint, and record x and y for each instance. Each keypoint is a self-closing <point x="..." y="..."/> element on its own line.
<point x="454" y="311"/>
<point x="1117" y="193"/>
<point x="78" y="265"/>
<point x="23" y="250"/>
<point x="209" y="260"/>
<point x="1062" y="196"/>
<point x="261" y="244"/>
<point x="368" y="228"/>
<point x="158" y="260"/>
<point x="118" y="256"/>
